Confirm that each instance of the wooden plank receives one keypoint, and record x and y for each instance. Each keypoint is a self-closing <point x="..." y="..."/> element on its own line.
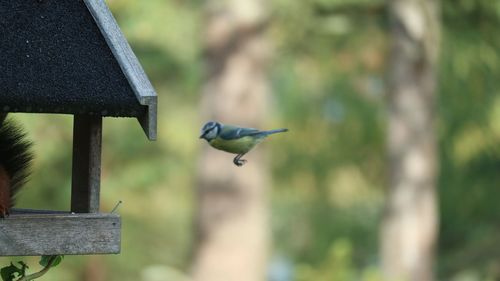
<point x="128" y="62"/>
<point x="148" y="121"/>
<point x="86" y="180"/>
<point x="35" y="234"/>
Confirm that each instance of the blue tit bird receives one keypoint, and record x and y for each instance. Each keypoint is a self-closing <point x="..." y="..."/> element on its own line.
<point x="234" y="139"/>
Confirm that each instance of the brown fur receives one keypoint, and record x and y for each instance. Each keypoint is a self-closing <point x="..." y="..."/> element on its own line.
<point x="15" y="160"/>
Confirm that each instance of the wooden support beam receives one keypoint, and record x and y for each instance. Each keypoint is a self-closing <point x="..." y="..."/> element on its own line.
<point x="86" y="180"/>
<point x="3" y="116"/>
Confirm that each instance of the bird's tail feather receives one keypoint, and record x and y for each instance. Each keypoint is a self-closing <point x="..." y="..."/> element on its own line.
<point x="270" y="132"/>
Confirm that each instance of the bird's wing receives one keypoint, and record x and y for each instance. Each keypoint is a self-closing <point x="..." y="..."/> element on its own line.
<point x="233" y="132"/>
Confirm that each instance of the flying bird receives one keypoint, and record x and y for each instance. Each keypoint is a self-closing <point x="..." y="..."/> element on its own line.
<point x="234" y="139"/>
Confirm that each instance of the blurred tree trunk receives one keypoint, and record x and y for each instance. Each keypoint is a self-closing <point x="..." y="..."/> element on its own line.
<point x="232" y="220"/>
<point x="94" y="270"/>
<point x="409" y="229"/>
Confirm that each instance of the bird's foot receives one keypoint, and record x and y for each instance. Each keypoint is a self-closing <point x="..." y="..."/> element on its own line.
<point x="239" y="162"/>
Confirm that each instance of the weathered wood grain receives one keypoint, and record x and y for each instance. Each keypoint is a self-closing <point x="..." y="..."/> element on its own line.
<point x="86" y="180"/>
<point x="34" y="233"/>
<point x="128" y="62"/>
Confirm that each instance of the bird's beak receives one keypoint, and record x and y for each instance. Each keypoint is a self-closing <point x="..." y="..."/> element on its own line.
<point x="202" y="135"/>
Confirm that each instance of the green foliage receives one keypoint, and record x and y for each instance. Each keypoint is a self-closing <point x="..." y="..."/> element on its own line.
<point x="51" y="261"/>
<point x="470" y="157"/>
<point x="338" y="266"/>
<point x="327" y="78"/>
<point x="15" y="272"/>
<point x="11" y="272"/>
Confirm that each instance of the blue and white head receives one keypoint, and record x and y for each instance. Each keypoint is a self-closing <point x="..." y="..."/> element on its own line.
<point x="211" y="130"/>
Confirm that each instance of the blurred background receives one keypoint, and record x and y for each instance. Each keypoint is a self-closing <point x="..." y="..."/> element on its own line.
<point x="312" y="204"/>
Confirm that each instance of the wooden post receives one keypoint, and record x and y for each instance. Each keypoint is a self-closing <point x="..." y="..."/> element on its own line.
<point x="86" y="179"/>
<point x="3" y="116"/>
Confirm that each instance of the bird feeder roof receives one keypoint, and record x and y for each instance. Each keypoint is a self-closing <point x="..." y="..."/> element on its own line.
<point x="70" y="57"/>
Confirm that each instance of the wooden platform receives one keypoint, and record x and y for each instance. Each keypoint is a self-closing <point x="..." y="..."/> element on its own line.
<point x="35" y="233"/>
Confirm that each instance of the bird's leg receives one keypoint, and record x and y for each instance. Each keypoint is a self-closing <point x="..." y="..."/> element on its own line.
<point x="238" y="161"/>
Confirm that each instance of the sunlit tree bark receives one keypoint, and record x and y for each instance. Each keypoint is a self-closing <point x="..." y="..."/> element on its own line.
<point x="409" y="230"/>
<point x="94" y="270"/>
<point x="232" y="220"/>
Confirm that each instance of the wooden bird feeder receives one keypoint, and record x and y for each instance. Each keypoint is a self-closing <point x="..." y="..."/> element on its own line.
<point x="70" y="57"/>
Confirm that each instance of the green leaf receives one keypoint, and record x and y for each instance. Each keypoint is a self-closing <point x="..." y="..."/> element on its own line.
<point x="57" y="261"/>
<point x="8" y="273"/>
<point x="44" y="260"/>
<point x="23" y="268"/>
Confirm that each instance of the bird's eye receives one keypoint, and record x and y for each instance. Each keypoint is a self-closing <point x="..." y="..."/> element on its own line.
<point x="207" y="126"/>
<point x="210" y="129"/>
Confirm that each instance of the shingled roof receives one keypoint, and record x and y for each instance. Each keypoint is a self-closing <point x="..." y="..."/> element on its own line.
<point x="70" y="57"/>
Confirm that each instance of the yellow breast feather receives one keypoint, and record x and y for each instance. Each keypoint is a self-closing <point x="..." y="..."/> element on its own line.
<point x="237" y="146"/>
